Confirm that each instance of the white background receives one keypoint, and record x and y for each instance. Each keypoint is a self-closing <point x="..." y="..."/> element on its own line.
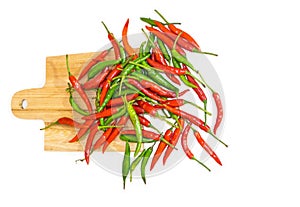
<point x="258" y="46"/>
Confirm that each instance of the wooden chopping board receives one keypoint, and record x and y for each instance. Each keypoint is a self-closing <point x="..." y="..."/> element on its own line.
<point x="52" y="102"/>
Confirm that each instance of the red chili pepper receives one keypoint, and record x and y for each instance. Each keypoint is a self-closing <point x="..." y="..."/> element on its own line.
<point x="168" y="41"/>
<point x="97" y="59"/>
<point x="161" y="147"/>
<point x="96" y="81"/>
<point x="138" y="109"/>
<point x="145" y="122"/>
<point x="144" y="90"/>
<point x="157" y="89"/>
<point x="177" y="31"/>
<point x="167" y="68"/>
<point x="158" y="55"/>
<point x="126" y="44"/>
<point x="82" y="131"/>
<point x="102" y="114"/>
<point x="106" y="85"/>
<point x="113" y="41"/>
<point x="198" y="90"/>
<point x="66" y="121"/>
<point x="219" y="118"/>
<point x="181" y="41"/>
<point x="195" y="120"/>
<point x="119" y="101"/>
<point x="115" y="132"/>
<point x="185" y="146"/>
<point x="76" y="85"/>
<point x="103" y="137"/>
<point x="145" y="133"/>
<point x="174" y="140"/>
<point x="147" y="107"/>
<point x="206" y="147"/>
<point x="89" y="142"/>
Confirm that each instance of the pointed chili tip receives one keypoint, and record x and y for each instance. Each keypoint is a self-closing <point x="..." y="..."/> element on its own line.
<point x="144" y="179"/>
<point x="75" y="139"/>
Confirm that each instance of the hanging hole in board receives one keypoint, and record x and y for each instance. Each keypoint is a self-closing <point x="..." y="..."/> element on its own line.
<point x="24" y="104"/>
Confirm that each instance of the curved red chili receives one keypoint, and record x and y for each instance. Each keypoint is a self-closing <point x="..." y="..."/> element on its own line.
<point x="65" y="121"/>
<point x="89" y="142"/>
<point x="167" y="68"/>
<point x="144" y="90"/>
<point x="126" y="44"/>
<point x="147" y="107"/>
<point x="206" y="147"/>
<point x="161" y="147"/>
<point x="157" y="89"/>
<point x="220" y="112"/>
<point x="102" y="114"/>
<point x="174" y="140"/>
<point x="82" y="131"/>
<point x="113" y="41"/>
<point x="103" y="137"/>
<point x="185" y="146"/>
<point x="96" y="81"/>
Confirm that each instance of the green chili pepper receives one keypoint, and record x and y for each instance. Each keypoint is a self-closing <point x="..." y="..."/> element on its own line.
<point x="121" y="112"/>
<point x="152" y="23"/>
<point x="109" y="94"/>
<point x="149" y="44"/>
<point x="135" y="163"/>
<point x="122" y="53"/>
<point x="163" y="49"/>
<point x="158" y="78"/>
<point x="136" y="124"/>
<point x="100" y="66"/>
<point x="74" y="105"/>
<point x="141" y="49"/>
<point x="141" y="76"/>
<point x="98" y="92"/>
<point x="145" y="161"/>
<point x="133" y="139"/>
<point x="124" y="92"/>
<point x="126" y="163"/>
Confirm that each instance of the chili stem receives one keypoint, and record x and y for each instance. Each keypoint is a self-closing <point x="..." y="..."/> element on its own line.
<point x="193" y="158"/>
<point x="214" y="136"/>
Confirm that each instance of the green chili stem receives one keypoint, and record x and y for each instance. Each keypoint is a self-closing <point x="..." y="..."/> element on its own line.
<point x="193" y="158"/>
<point x="214" y="136"/>
<point x="161" y="16"/>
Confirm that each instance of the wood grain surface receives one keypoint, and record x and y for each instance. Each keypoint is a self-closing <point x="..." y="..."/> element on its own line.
<point x="52" y="102"/>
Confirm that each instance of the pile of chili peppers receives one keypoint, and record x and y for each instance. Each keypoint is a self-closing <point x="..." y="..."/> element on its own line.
<point x="143" y="83"/>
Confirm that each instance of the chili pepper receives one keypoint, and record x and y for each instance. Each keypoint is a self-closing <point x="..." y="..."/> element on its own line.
<point x="183" y="78"/>
<point x="102" y="138"/>
<point x="149" y="135"/>
<point x="76" y="85"/>
<point x="126" y="163"/>
<point x="74" y="105"/>
<point x="166" y="68"/>
<point x="89" y="142"/>
<point x="138" y="109"/>
<point x="147" y="107"/>
<point x="163" y="49"/>
<point x="151" y="22"/>
<point x="167" y="40"/>
<point x="195" y="120"/>
<point x="109" y="95"/>
<point x="65" y="121"/>
<point x="113" y="73"/>
<point x="174" y="139"/>
<point x="82" y="131"/>
<point x="97" y="80"/>
<point x="102" y="114"/>
<point x="145" y="122"/>
<point x="126" y="44"/>
<point x="132" y="138"/>
<point x="119" y="101"/>
<point x="158" y="78"/>
<point x="113" y="41"/>
<point x="136" y="124"/>
<point x="206" y="147"/>
<point x="157" y="89"/>
<point x="100" y="66"/>
<point x="185" y="146"/>
<point x="121" y="112"/>
<point x="144" y="90"/>
<point x="149" y="45"/>
<point x="181" y="102"/>
<point x="145" y="160"/>
<point x="161" y="147"/>
<point x="219" y="118"/>
<point x="135" y="163"/>
<point x="95" y="60"/>
<point x="115" y="132"/>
